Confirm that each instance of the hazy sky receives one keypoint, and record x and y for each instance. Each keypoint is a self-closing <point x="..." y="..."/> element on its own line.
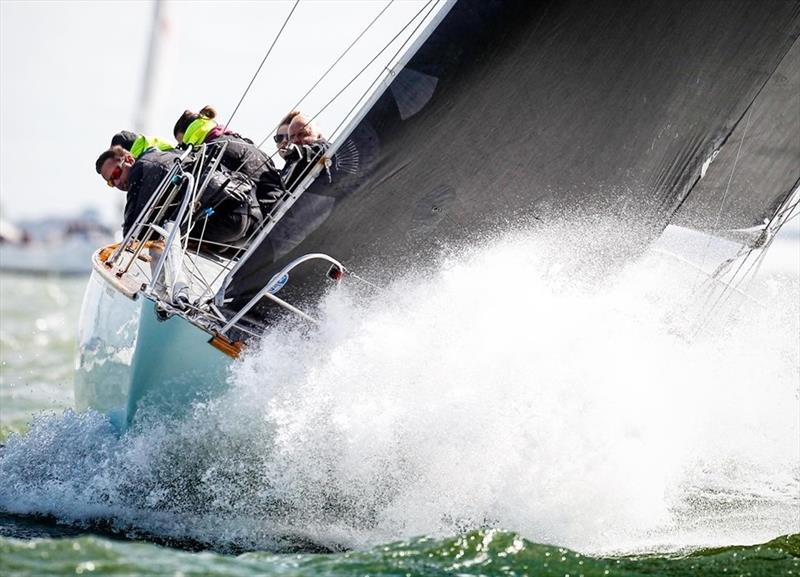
<point x="71" y="75"/>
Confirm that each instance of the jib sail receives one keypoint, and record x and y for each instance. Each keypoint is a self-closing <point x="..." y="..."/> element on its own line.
<point x="513" y="112"/>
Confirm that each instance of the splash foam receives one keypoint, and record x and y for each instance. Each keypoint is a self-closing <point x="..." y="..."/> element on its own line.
<point x="497" y="391"/>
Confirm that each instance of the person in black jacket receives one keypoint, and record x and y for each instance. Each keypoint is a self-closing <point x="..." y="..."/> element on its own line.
<point x="240" y="155"/>
<point x="281" y="136"/>
<point x="139" y="178"/>
<point x="224" y="214"/>
<point x="306" y="146"/>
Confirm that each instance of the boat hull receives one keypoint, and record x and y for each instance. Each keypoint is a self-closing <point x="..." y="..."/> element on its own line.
<point x="107" y="336"/>
<point x="135" y="361"/>
<point x="173" y="366"/>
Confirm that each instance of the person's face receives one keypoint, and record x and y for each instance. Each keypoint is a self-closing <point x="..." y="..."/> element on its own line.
<point x="282" y="139"/>
<point x="300" y="134"/>
<point x="115" y="172"/>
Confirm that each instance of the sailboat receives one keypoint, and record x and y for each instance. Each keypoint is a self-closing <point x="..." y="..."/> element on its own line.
<point x="55" y="246"/>
<point x="498" y="115"/>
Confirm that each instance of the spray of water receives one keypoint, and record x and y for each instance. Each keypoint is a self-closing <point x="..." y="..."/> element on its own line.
<point x="497" y="391"/>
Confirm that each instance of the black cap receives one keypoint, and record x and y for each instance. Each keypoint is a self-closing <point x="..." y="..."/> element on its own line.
<point x="124" y="138"/>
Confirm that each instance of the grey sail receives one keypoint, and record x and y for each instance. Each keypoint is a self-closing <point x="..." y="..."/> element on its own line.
<point x="514" y="112"/>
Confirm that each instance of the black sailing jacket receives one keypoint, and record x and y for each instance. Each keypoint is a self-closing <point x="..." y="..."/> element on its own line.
<point x="225" y="211"/>
<point x="145" y="175"/>
<point x="241" y="155"/>
<point x="300" y="159"/>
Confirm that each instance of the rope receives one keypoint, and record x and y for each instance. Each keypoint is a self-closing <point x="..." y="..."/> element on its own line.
<point x="260" y="66"/>
<point x="365" y="281"/>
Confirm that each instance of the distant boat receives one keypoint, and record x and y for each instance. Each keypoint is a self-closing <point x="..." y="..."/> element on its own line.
<point x="10" y="233"/>
<point x="500" y="114"/>
<point x="55" y="246"/>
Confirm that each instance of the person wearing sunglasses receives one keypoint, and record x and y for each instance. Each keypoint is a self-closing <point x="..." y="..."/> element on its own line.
<point x="281" y="137"/>
<point x="228" y="194"/>
<point x="304" y="146"/>
<point x="138" y="177"/>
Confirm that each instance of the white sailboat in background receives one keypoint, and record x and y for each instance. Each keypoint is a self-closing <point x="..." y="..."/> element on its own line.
<point x="53" y="246"/>
<point x="424" y="163"/>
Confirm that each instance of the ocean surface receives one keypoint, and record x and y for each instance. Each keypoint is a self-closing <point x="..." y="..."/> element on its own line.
<point x="620" y="425"/>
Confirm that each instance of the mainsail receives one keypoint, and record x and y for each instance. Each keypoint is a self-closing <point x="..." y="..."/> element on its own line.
<point x="513" y="111"/>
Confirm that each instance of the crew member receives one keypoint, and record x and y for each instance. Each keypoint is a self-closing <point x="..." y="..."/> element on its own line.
<point x="224" y="213"/>
<point x="240" y="155"/>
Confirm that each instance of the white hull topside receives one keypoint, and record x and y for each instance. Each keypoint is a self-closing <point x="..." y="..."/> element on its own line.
<point x="131" y="355"/>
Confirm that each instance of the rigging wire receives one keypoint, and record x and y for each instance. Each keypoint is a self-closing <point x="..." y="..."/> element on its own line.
<point x="366" y="92"/>
<point x="319" y="80"/>
<point x="260" y="66"/>
<point x="782" y="216"/>
<point x="391" y="71"/>
<point x="432" y="4"/>
<point x="364" y="69"/>
<point x="715" y="228"/>
<point x="331" y="67"/>
<point x="374" y="58"/>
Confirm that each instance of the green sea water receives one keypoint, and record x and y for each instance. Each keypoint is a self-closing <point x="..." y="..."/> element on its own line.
<point x="38" y="329"/>
<point x="212" y="496"/>
<point x="473" y="553"/>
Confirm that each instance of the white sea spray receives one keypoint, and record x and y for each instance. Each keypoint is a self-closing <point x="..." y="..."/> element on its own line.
<point x="499" y="390"/>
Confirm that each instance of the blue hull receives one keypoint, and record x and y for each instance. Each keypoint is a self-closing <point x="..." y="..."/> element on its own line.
<point x="132" y="363"/>
<point x="173" y="366"/>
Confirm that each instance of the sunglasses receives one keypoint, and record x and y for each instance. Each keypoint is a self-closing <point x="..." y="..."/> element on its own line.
<point x="278" y="138"/>
<point x="115" y="174"/>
